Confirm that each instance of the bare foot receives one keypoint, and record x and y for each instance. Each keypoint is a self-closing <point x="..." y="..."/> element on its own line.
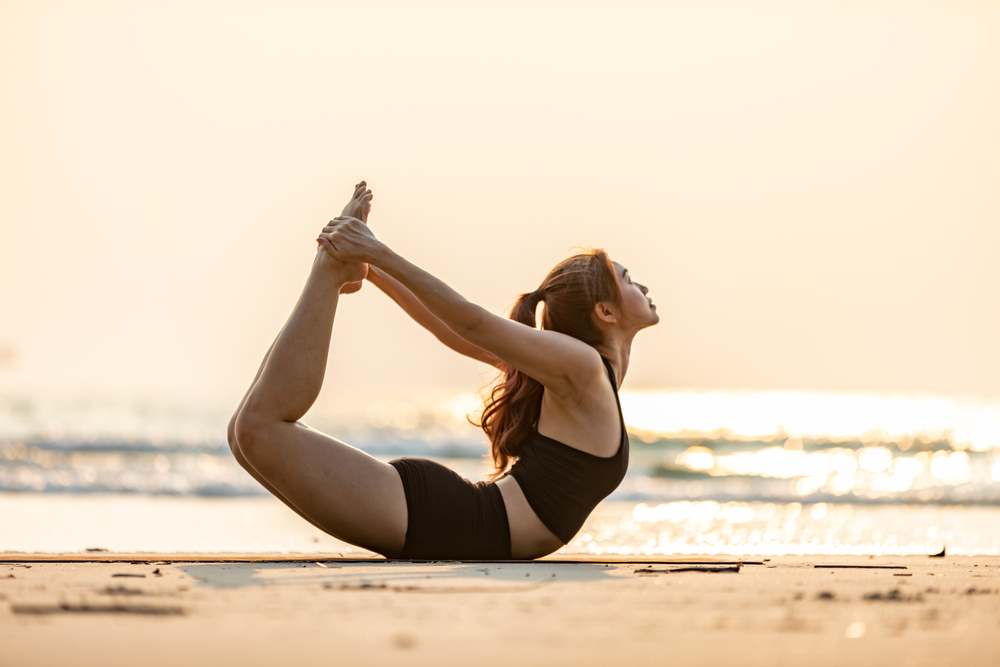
<point x="358" y="207"/>
<point x="360" y="204"/>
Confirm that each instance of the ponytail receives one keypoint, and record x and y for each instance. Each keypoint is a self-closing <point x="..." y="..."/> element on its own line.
<point x="570" y="291"/>
<point x="527" y="304"/>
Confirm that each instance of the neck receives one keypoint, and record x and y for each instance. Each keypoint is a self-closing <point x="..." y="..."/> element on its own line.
<point x="618" y="348"/>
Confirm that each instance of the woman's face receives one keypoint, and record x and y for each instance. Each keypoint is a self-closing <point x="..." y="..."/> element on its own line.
<point x="639" y="310"/>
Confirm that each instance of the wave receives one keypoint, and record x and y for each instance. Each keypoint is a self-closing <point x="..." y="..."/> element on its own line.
<point x="127" y="445"/>
<point x="663" y="469"/>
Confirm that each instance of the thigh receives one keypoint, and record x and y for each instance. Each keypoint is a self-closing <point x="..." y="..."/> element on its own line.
<point x="343" y="490"/>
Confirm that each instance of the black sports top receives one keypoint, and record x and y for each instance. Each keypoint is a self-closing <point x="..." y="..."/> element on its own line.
<point x="563" y="484"/>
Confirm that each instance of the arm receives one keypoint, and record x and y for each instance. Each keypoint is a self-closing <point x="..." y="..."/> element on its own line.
<point x="560" y="362"/>
<point x="425" y="318"/>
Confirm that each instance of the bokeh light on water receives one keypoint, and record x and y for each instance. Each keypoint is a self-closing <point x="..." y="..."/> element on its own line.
<point x="709" y="472"/>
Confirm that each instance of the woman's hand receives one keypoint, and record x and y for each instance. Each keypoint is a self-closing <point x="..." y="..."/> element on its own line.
<point x="359" y="205"/>
<point x="349" y="239"/>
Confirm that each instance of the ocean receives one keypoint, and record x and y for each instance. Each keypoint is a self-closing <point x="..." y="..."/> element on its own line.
<point x="710" y="472"/>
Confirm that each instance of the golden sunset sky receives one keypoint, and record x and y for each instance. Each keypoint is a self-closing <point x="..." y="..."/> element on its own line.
<point x="809" y="189"/>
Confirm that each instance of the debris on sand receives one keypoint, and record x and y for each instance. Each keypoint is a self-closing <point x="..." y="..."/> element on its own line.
<point x="121" y="590"/>
<point x="97" y="608"/>
<point x="863" y="567"/>
<point x="893" y="595"/>
<point x="404" y="641"/>
<point x="355" y="586"/>
<point x="698" y="568"/>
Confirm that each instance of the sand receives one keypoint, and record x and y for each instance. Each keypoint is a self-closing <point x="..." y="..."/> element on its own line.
<point x="168" y="609"/>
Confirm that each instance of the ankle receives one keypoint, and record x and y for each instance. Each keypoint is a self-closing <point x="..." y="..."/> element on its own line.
<point x="331" y="267"/>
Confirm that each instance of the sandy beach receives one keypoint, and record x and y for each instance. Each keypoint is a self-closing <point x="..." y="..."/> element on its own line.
<point x="260" y="609"/>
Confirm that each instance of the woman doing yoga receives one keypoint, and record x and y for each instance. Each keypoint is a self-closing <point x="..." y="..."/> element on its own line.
<point x="554" y="408"/>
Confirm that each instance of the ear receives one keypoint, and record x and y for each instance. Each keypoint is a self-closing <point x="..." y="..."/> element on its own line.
<point x="604" y="311"/>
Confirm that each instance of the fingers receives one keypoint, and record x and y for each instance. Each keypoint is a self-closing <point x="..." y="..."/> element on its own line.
<point x="327" y="246"/>
<point x="347" y="226"/>
<point x="334" y="224"/>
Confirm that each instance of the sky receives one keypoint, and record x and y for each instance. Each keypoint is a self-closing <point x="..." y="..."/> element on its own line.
<point x="808" y="190"/>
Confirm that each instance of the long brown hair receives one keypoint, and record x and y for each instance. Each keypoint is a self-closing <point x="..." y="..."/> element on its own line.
<point x="570" y="291"/>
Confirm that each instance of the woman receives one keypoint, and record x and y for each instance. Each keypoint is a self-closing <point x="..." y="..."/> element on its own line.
<point x="556" y="409"/>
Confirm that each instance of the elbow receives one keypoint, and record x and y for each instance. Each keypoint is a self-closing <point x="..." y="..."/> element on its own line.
<point x="465" y="332"/>
<point x="469" y="326"/>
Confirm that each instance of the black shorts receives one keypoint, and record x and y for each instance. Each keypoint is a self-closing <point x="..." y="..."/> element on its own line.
<point x="450" y="517"/>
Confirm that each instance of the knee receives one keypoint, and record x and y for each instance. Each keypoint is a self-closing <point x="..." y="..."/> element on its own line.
<point x="242" y="432"/>
<point x="246" y="433"/>
<point x="234" y="445"/>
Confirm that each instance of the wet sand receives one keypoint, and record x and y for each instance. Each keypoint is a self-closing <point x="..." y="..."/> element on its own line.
<point x="160" y="609"/>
